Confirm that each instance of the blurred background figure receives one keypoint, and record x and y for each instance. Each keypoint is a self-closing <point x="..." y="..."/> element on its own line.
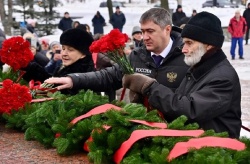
<point x="193" y="13"/>
<point x="39" y="58"/>
<point x="178" y="15"/>
<point x="44" y="45"/>
<point x="137" y="37"/>
<point x="98" y="23"/>
<point x="118" y="19"/>
<point x="246" y="15"/>
<point x="237" y="28"/>
<point x="54" y="56"/>
<point x="65" y="23"/>
<point x="75" y="24"/>
<point x="31" y="24"/>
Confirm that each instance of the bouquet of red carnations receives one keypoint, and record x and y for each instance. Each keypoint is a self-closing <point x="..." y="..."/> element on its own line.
<point x="113" y="45"/>
<point x="13" y="96"/>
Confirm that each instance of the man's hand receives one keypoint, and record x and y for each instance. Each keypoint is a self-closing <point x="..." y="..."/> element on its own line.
<point x="137" y="82"/>
<point x="66" y="82"/>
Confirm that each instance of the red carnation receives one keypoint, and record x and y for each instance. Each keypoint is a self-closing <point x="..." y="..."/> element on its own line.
<point x="13" y="96"/>
<point x="16" y="52"/>
<point x="112" y="45"/>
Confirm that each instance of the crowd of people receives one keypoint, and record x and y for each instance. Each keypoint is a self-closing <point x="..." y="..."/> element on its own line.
<point x="180" y="68"/>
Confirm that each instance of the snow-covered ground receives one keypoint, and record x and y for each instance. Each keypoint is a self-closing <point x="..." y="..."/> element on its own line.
<point x="133" y="12"/>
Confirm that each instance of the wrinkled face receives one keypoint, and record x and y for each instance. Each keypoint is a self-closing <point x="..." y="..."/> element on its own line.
<point x="70" y="55"/>
<point x="137" y="36"/>
<point x="155" y="38"/>
<point x="193" y="51"/>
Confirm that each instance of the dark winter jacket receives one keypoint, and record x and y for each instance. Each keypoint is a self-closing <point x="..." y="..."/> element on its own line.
<point x="98" y="23"/>
<point x="237" y="28"/>
<point x="178" y="17"/>
<point x="246" y="15"/>
<point x="65" y="24"/>
<point x="170" y="73"/>
<point x="118" y="20"/>
<point x="38" y="73"/>
<point x="210" y="95"/>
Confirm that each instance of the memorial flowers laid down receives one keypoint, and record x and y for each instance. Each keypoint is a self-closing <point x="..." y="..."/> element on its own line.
<point x="112" y="132"/>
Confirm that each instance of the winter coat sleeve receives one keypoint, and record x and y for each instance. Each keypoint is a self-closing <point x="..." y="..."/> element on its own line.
<point x="230" y="27"/>
<point x="245" y="25"/>
<point x="60" y="25"/>
<point x="199" y="106"/>
<point x="112" y="20"/>
<point x="99" y="81"/>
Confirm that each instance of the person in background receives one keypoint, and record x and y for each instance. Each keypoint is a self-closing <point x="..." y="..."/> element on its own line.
<point x="75" y="55"/>
<point x="55" y="57"/>
<point x="210" y="93"/>
<point x="193" y="13"/>
<point x="137" y="36"/>
<point x="44" y="46"/>
<point x="178" y="16"/>
<point x="161" y="41"/>
<point x="98" y="22"/>
<point x="246" y="15"/>
<point x="75" y="24"/>
<point x="88" y="29"/>
<point x="237" y="28"/>
<point x="39" y="58"/>
<point x="118" y="19"/>
<point x="65" y="23"/>
<point x="31" y="24"/>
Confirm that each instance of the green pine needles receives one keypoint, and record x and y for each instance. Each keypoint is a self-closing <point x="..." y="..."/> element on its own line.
<point x="50" y="124"/>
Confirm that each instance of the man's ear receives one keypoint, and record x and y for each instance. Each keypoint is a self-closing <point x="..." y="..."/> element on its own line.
<point x="208" y="47"/>
<point x="168" y="28"/>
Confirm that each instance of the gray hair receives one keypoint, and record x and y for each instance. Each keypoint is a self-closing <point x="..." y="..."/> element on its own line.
<point x="159" y="16"/>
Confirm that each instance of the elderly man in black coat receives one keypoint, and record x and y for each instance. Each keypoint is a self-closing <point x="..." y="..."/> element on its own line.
<point x="210" y="93"/>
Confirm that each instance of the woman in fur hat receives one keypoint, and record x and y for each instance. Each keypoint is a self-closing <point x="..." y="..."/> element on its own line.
<point x="75" y="57"/>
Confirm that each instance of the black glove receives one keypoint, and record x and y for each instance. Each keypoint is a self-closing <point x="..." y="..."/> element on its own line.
<point x="137" y="82"/>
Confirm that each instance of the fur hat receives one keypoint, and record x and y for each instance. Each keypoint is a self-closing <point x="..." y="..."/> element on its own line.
<point x="78" y="39"/>
<point x="205" y="28"/>
<point x="136" y="29"/>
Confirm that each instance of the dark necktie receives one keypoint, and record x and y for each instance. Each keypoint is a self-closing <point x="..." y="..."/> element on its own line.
<point x="157" y="59"/>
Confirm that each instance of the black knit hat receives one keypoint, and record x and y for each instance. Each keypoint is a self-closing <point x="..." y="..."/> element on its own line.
<point x="78" y="39"/>
<point x="205" y="28"/>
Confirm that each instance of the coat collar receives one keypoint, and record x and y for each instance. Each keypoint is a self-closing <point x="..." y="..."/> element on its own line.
<point x="202" y="68"/>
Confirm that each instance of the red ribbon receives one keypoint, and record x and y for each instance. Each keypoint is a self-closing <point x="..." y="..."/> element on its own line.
<point x="139" y="134"/>
<point x="97" y="110"/>
<point x="183" y="147"/>
<point x="34" y="85"/>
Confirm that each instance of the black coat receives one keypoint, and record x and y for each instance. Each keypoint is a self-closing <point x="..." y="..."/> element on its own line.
<point x="98" y="23"/>
<point x="37" y="73"/>
<point x="65" y="24"/>
<point x="140" y="59"/>
<point x="246" y="15"/>
<point x="210" y="95"/>
<point x="178" y="17"/>
<point x="118" y="20"/>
